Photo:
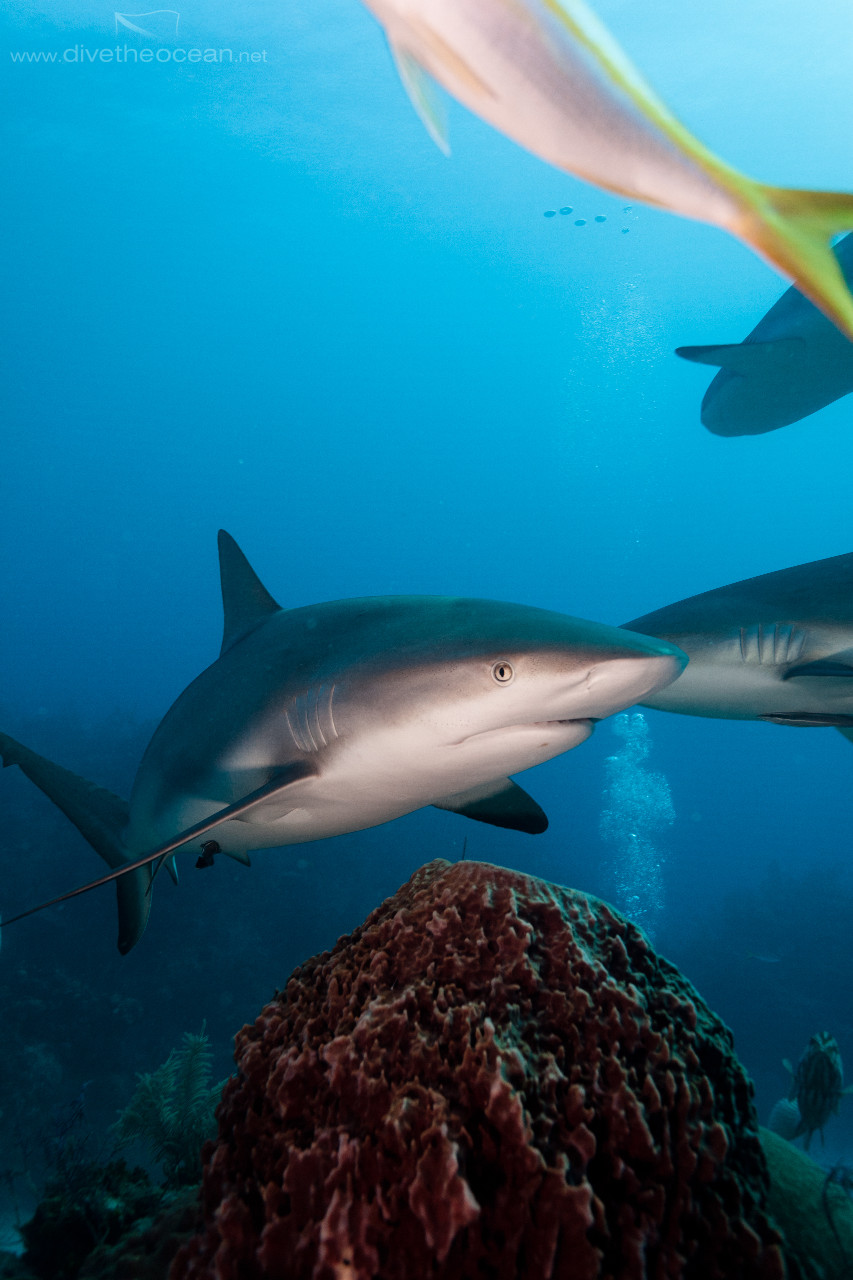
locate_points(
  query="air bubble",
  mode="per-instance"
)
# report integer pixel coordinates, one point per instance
(581, 222)
(599, 217)
(550, 213)
(567, 209)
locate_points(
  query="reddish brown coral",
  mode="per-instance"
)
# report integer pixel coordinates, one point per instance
(492, 1077)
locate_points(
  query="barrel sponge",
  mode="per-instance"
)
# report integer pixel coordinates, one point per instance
(492, 1077)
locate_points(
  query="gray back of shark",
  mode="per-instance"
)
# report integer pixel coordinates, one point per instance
(336, 717)
(778, 647)
(793, 363)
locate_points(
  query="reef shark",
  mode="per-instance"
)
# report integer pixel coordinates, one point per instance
(792, 364)
(778, 647)
(336, 717)
(549, 75)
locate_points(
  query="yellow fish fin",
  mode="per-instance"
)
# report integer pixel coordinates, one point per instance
(792, 229)
(421, 89)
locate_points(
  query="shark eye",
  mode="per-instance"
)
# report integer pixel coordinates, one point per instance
(502, 672)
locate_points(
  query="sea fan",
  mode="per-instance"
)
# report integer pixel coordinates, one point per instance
(785, 1119)
(172, 1110)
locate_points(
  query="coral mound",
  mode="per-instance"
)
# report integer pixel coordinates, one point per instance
(492, 1077)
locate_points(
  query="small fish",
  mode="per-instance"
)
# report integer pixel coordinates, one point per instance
(767, 957)
(548, 74)
(792, 364)
(817, 1085)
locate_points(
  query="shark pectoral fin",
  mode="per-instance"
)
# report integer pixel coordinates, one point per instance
(845, 733)
(811, 719)
(287, 776)
(138, 871)
(823, 667)
(420, 87)
(786, 1063)
(502, 803)
(744, 357)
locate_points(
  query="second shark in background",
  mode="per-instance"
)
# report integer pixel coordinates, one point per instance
(792, 364)
(778, 647)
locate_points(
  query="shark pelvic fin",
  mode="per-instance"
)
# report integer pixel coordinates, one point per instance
(245, 600)
(744, 357)
(100, 817)
(501, 803)
(420, 87)
(284, 778)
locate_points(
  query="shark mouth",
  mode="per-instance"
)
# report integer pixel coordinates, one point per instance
(531, 726)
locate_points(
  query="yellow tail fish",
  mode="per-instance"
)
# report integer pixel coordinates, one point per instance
(549, 75)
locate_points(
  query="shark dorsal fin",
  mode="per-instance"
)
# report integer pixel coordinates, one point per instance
(245, 599)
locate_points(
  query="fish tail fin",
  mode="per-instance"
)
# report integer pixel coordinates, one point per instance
(100, 817)
(793, 230)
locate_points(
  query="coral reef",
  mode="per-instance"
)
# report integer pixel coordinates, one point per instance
(71, 1221)
(100, 1220)
(492, 1077)
(785, 1119)
(813, 1208)
(146, 1251)
(139, 1229)
(171, 1111)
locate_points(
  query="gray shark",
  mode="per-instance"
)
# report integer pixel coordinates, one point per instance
(336, 717)
(778, 647)
(793, 363)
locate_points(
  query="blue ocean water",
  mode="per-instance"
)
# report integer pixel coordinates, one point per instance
(254, 295)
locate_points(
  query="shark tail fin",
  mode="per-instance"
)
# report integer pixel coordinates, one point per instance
(793, 230)
(100, 817)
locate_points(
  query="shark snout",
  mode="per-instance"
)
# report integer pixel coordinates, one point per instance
(619, 682)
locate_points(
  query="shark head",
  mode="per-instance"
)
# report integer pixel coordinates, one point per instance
(476, 689)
